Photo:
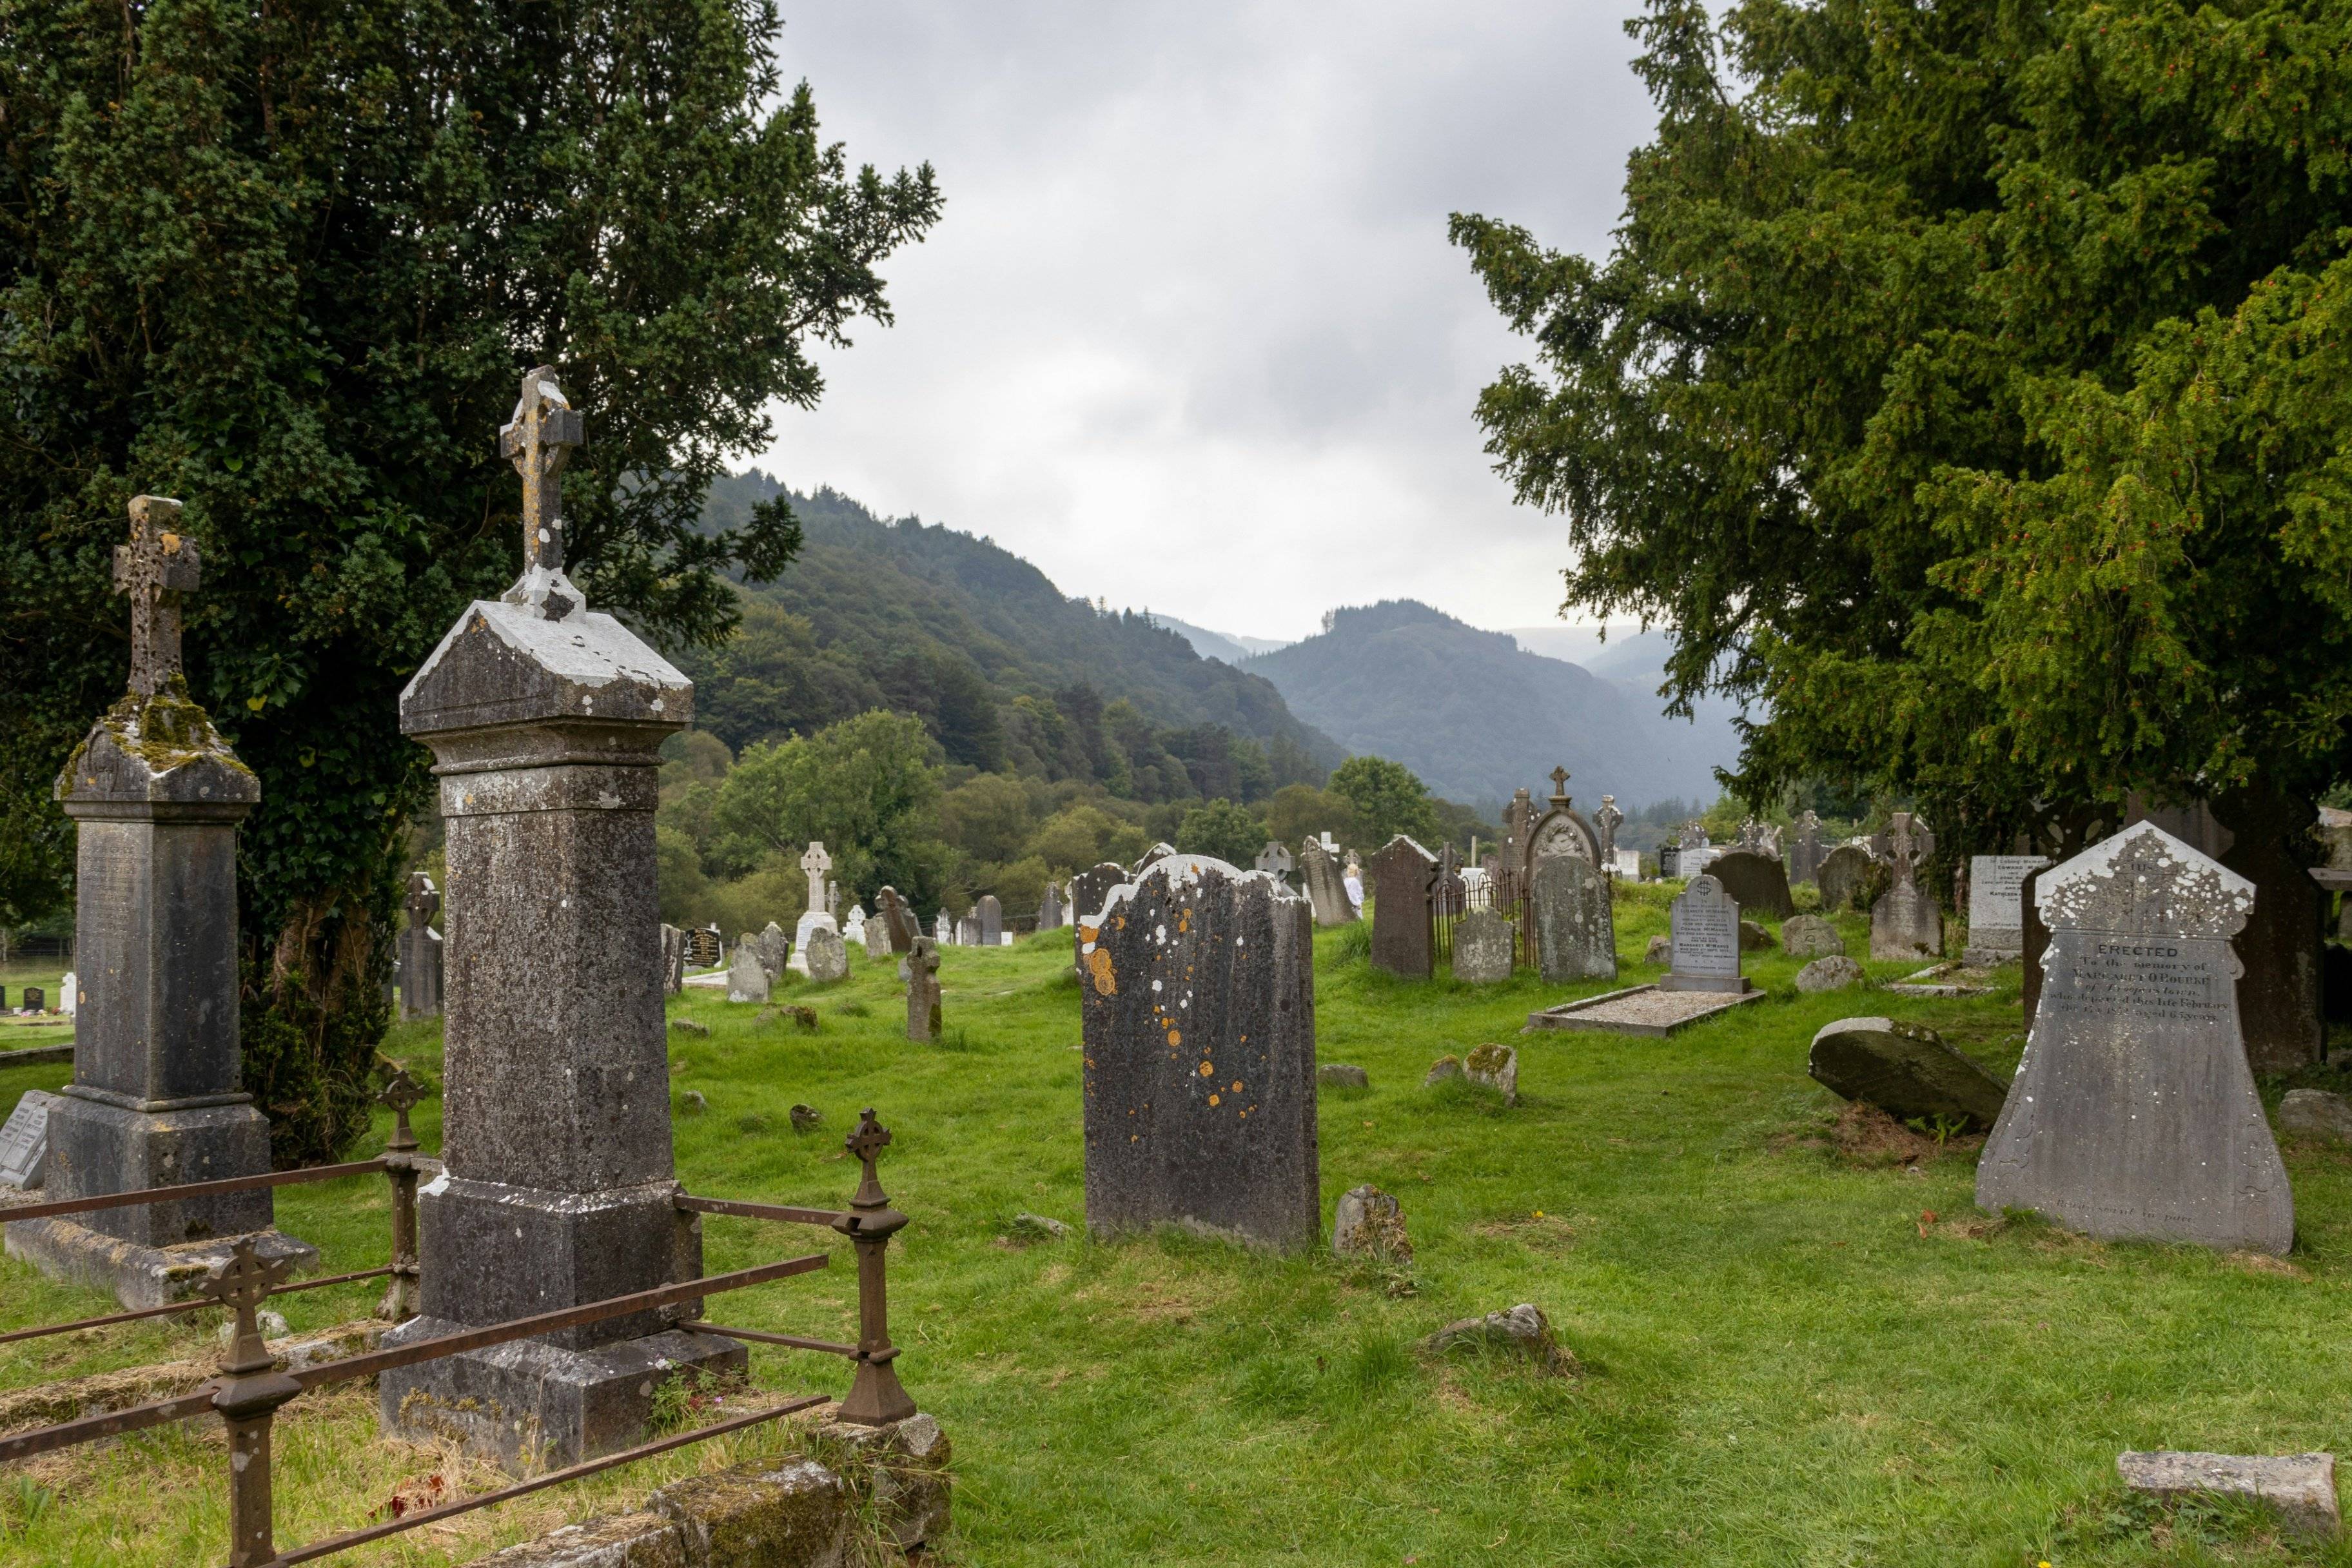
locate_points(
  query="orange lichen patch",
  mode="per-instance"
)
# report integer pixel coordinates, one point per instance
(1213, 1100)
(1088, 933)
(1237, 1087)
(1175, 1037)
(1208, 1067)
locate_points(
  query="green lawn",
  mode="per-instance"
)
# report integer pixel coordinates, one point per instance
(1784, 1360)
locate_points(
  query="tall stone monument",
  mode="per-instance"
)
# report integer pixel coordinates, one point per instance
(545, 722)
(1199, 1018)
(1905, 922)
(157, 796)
(1576, 929)
(817, 917)
(420, 951)
(1704, 926)
(2133, 1113)
(1401, 941)
(1805, 860)
(1605, 823)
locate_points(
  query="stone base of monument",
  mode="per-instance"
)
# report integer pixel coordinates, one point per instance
(139, 1275)
(1641, 1010)
(1988, 948)
(529, 1403)
(1719, 983)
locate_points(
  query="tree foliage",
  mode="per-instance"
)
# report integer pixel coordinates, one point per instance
(1385, 799)
(1219, 828)
(285, 263)
(867, 787)
(1968, 381)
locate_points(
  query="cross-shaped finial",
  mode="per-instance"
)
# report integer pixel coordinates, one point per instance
(866, 1143)
(154, 569)
(540, 439)
(242, 1284)
(424, 898)
(1559, 787)
(404, 1094)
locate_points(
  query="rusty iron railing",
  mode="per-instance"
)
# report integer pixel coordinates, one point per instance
(251, 1390)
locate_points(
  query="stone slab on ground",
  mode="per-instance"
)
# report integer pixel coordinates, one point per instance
(1522, 1330)
(2315, 1113)
(1834, 972)
(2300, 1488)
(1640, 1010)
(1341, 1075)
(1904, 1070)
(37, 1055)
(1943, 980)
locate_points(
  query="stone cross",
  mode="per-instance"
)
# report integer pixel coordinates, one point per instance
(866, 1145)
(423, 900)
(540, 439)
(1608, 820)
(154, 569)
(817, 863)
(1559, 787)
(242, 1285)
(1905, 845)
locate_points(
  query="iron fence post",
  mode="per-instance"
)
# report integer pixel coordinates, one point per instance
(400, 1301)
(875, 1398)
(247, 1402)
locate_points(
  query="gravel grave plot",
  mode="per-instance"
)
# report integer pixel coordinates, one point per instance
(1644, 1010)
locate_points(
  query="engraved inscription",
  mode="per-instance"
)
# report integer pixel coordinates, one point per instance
(2160, 980)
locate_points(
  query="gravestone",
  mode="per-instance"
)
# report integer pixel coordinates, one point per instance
(1811, 936)
(2037, 942)
(988, 916)
(1482, 941)
(25, 1141)
(1576, 929)
(1401, 934)
(1996, 910)
(35, 1000)
(703, 949)
(968, 929)
(827, 956)
(795, 949)
(1759, 838)
(69, 995)
(1834, 972)
(1705, 923)
(900, 923)
(774, 948)
(1905, 1070)
(1756, 882)
(1089, 888)
(1842, 875)
(2279, 995)
(156, 795)
(1274, 861)
(1905, 922)
(545, 722)
(922, 968)
(420, 951)
(1199, 1010)
(1319, 878)
(748, 979)
(1605, 823)
(1629, 864)
(1158, 852)
(673, 947)
(1805, 860)
(2133, 1113)
(1497, 1067)
(1049, 909)
(814, 864)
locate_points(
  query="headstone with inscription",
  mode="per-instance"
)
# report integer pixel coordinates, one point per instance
(2133, 1113)
(1576, 928)
(703, 949)
(1629, 864)
(546, 721)
(1996, 914)
(35, 999)
(1705, 923)
(156, 795)
(1198, 1020)
(1905, 922)
(1319, 878)
(25, 1140)
(1401, 934)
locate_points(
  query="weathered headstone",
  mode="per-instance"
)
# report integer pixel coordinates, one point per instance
(795, 950)
(1049, 908)
(1996, 911)
(1497, 1067)
(1757, 882)
(1368, 1223)
(673, 947)
(1834, 972)
(1089, 888)
(1759, 838)
(1482, 941)
(157, 796)
(1401, 934)
(774, 948)
(922, 967)
(70, 996)
(420, 951)
(900, 921)
(1199, 1008)
(1805, 860)
(1576, 929)
(1905, 922)
(1705, 921)
(1629, 864)
(2309, 1112)
(1605, 823)
(25, 1140)
(546, 721)
(1320, 877)
(2133, 1112)
(1842, 875)
(988, 916)
(1905, 1070)
(1274, 861)
(1811, 936)
(1158, 852)
(967, 931)
(748, 979)
(827, 956)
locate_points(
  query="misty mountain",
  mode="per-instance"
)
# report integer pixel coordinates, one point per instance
(1477, 715)
(1230, 646)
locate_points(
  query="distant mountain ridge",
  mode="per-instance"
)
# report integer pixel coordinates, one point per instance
(1477, 716)
(1230, 647)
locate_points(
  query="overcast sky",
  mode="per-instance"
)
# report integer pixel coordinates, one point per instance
(1190, 335)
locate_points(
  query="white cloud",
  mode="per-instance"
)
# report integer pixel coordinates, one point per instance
(1190, 334)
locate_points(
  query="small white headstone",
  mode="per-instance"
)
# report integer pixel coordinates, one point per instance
(68, 994)
(25, 1141)
(1629, 864)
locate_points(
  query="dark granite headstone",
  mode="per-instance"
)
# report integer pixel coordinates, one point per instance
(1200, 1057)
(420, 951)
(702, 948)
(1756, 882)
(1400, 874)
(2133, 1113)
(1705, 928)
(1576, 929)
(923, 991)
(1844, 875)
(1156, 853)
(1319, 878)
(989, 918)
(1089, 888)
(1483, 942)
(156, 795)
(35, 999)
(545, 722)
(1905, 1070)
(2037, 942)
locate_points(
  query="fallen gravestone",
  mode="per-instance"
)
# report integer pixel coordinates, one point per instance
(1996, 910)
(25, 1141)
(1199, 1009)
(806, 1117)
(2300, 1488)
(1482, 941)
(1905, 922)
(1037, 1228)
(1368, 1223)
(1497, 1067)
(923, 991)
(1341, 1075)
(1576, 929)
(689, 1026)
(1811, 936)
(1444, 1068)
(1844, 877)
(1904, 1070)
(1523, 1330)
(2308, 1112)
(827, 955)
(2134, 1112)
(1834, 972)
(1757, 882)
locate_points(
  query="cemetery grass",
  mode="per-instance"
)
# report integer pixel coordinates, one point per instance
(1797, 1345)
